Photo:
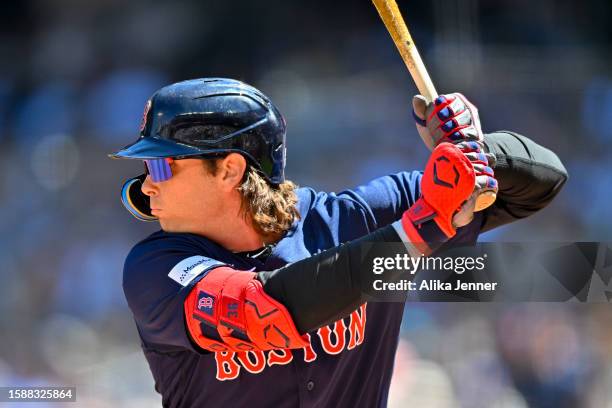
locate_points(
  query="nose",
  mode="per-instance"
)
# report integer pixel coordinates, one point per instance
(149, 188)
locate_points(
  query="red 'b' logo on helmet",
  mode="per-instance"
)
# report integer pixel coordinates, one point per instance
(143, 122)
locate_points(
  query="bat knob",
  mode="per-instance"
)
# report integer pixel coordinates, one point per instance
(485, 200)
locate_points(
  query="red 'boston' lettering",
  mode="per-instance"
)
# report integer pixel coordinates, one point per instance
(280, 357)
(227, 368)
(309, 353)
(255, 361)
(326, 340)
(254, 367)
(357, 327)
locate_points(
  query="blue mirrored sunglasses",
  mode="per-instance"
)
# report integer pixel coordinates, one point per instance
(159, 169)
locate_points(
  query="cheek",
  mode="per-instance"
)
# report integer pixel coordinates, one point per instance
(189, 196)
(200, 199)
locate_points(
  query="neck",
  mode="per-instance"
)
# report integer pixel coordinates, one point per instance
(241, 236)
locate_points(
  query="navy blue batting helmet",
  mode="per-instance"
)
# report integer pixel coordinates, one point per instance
(202, 118)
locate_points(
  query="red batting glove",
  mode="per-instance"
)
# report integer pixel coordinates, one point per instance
(448, 182)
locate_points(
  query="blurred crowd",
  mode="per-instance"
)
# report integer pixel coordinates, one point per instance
(73, 82)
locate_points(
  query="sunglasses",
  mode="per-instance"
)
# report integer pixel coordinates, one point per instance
(159, 169)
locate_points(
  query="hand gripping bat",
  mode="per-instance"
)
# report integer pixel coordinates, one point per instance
(391, 16)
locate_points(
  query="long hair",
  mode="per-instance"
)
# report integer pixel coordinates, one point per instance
(272, 209)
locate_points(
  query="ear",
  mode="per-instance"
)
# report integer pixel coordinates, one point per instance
(231, 170)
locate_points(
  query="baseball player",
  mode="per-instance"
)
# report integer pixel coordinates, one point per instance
(247, 295)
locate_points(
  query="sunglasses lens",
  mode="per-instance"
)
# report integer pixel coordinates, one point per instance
(159, 169)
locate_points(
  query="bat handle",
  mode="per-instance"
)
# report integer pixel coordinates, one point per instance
(393, 20)
(485, 200)
(427, 89)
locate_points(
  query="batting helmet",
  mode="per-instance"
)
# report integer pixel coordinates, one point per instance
(207, 117)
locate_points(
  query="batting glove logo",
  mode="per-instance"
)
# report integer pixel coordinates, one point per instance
(437, 180)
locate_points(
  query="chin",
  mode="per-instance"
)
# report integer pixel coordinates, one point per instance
(167, 226)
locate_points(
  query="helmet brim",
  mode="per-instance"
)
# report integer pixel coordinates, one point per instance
(154, 148)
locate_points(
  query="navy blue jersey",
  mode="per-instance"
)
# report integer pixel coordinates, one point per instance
(348, 363)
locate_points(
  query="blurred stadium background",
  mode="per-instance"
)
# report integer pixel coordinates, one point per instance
(73, 81)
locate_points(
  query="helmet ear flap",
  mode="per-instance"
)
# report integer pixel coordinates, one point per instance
(135, 201)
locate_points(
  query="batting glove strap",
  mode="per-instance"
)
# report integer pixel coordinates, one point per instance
(228, 310)
(419, 121)
(422, 228)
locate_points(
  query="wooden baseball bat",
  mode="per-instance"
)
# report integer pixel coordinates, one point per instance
(391, 16)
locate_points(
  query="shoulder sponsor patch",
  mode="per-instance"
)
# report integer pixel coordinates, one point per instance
(186, 270)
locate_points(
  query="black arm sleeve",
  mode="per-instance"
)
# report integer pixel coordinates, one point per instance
(326, 287)
(529, 177)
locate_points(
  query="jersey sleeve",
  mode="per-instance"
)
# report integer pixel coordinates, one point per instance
(386, 198)
(529, 175)
(330, 219)
(157, 278)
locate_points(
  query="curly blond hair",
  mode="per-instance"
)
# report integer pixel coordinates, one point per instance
(272, 209)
